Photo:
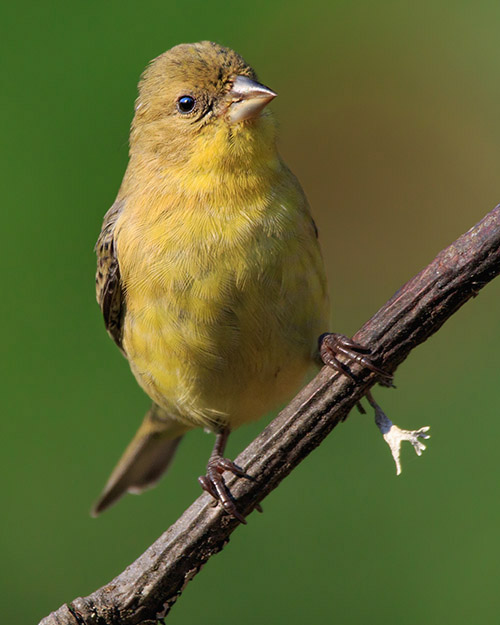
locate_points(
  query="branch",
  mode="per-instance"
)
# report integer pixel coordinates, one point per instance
(148, 588)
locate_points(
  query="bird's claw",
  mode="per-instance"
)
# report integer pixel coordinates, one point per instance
(333, 345)
(214, 484)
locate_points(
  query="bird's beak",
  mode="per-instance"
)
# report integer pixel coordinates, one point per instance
(247, 99)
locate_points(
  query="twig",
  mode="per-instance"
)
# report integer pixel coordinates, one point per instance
(148, 588)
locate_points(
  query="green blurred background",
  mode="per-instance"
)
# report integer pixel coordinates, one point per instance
(389, 115)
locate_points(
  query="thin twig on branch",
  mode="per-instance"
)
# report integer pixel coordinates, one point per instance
(148, 588)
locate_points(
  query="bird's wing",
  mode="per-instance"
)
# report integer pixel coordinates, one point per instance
(109, 288)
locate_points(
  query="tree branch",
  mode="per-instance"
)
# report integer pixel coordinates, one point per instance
(148, 588)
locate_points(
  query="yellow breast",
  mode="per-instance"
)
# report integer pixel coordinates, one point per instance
(225, 291)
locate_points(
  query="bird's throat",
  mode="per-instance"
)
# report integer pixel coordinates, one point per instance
(222, 160)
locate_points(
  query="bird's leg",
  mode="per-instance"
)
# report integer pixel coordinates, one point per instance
(333, 345)
(213, 482)
(394, 436)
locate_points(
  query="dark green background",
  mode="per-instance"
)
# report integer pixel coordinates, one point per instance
(389, 115)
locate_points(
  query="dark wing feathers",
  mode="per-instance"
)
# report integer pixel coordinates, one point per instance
(109, 289)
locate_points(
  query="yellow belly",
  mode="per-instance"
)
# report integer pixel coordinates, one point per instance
(223, 307)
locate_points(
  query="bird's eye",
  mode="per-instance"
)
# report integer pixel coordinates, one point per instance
(185, 104)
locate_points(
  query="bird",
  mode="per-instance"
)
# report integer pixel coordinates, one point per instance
(210, 276)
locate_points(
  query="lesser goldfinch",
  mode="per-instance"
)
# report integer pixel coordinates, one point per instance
(210, 276)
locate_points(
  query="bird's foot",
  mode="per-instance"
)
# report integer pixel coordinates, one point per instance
(333, 345)
(214, 484)
(394, 436)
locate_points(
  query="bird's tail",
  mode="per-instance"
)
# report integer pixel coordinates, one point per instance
(145, 460)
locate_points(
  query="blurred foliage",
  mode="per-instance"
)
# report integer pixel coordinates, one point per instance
(389, 117)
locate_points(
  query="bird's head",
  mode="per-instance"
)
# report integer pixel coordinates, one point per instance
(202, 101)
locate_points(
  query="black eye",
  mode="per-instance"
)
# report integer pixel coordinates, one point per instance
(185, 104)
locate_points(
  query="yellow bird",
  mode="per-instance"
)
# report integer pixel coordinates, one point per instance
(210, 276)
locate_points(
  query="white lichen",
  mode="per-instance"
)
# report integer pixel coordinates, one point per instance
(394, 435)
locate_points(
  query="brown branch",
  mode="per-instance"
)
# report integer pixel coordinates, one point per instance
(148, 588)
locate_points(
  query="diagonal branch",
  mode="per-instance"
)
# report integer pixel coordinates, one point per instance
(148, 588)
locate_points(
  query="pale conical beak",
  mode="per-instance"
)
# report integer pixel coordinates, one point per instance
(248, 98)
